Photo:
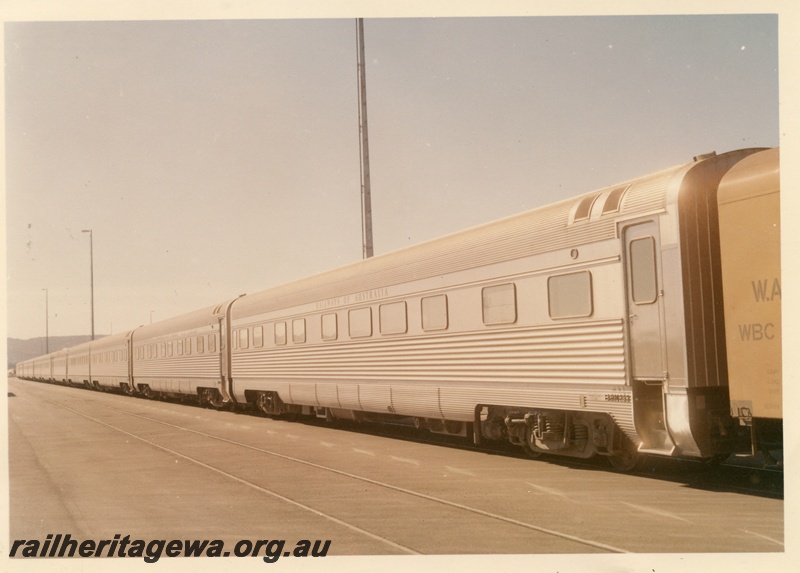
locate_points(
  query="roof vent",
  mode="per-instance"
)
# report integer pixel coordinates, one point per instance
(585, 207)
(703, 156)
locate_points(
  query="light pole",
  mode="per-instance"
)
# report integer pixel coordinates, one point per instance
(366, 193)
(91, 273)
(46, 321)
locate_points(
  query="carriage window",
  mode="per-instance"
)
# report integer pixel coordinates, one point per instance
(570, 295)
(434, 312)
(280, 333)
(393, 318)
(330, 329)
(244, 338)
(180, 347)
(258, 336)
(500, 304)
(169, 348)
(643, 270)
(212, 342)
(187, 345)
(360, 322)
(201, 344)
(299, 330)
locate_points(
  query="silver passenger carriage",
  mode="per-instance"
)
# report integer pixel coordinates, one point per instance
(109, 362)
(79, 365)
(590, 326)
(182, 356)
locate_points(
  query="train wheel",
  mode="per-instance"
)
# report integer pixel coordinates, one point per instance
(533, 454)
(626, 461)
(212, 397)
(526, 445)
(716, 459)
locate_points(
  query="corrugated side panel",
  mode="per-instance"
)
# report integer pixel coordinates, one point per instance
(375, 397)
(347, 396)
(303, 393)
(563, 366)
(417, 398)
(648, 194)
(200, 369)
(327, 394)
(578, 352)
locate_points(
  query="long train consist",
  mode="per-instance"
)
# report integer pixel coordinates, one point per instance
(643, 318)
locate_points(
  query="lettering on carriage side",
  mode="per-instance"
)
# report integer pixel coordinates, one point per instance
(755, 331)
(371, 294)
(332, 302)
(766, 290)
(618, 398)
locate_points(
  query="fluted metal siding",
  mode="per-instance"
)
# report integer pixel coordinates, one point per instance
(446, 376)
(110, 373)
(179, 374)
(568, 353)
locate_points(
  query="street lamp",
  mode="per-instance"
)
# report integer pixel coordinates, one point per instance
(91, 273)
(46, 321)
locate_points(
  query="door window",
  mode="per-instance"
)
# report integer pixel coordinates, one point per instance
(642, 253)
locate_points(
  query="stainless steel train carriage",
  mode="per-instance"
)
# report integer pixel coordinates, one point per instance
(109, 364)
(59, 369)
(183, 356)
(79, 364)
(593, 326)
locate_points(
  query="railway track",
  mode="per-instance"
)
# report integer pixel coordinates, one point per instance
(744, 475)
(389, 492)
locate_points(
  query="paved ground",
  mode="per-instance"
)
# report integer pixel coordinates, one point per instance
(96, 465)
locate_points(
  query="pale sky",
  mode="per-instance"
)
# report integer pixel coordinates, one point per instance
(214, 158)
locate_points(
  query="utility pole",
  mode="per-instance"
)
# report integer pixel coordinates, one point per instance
(46, 321)
(366, 198)
(91, 273)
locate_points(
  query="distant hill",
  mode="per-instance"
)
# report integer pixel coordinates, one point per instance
(19, 350)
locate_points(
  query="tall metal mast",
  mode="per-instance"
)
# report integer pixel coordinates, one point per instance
(366, 199)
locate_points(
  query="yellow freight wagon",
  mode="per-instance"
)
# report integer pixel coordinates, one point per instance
(749, 220)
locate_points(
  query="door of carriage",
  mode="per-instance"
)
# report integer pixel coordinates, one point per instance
(644, 300)
(646, 332)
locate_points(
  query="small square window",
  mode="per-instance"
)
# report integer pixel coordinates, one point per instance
(570, 295)
(299, 330)
(329, 327)
(393, 318)
(500, 304)
(360, 321)
(434, 312)
(280, 333)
